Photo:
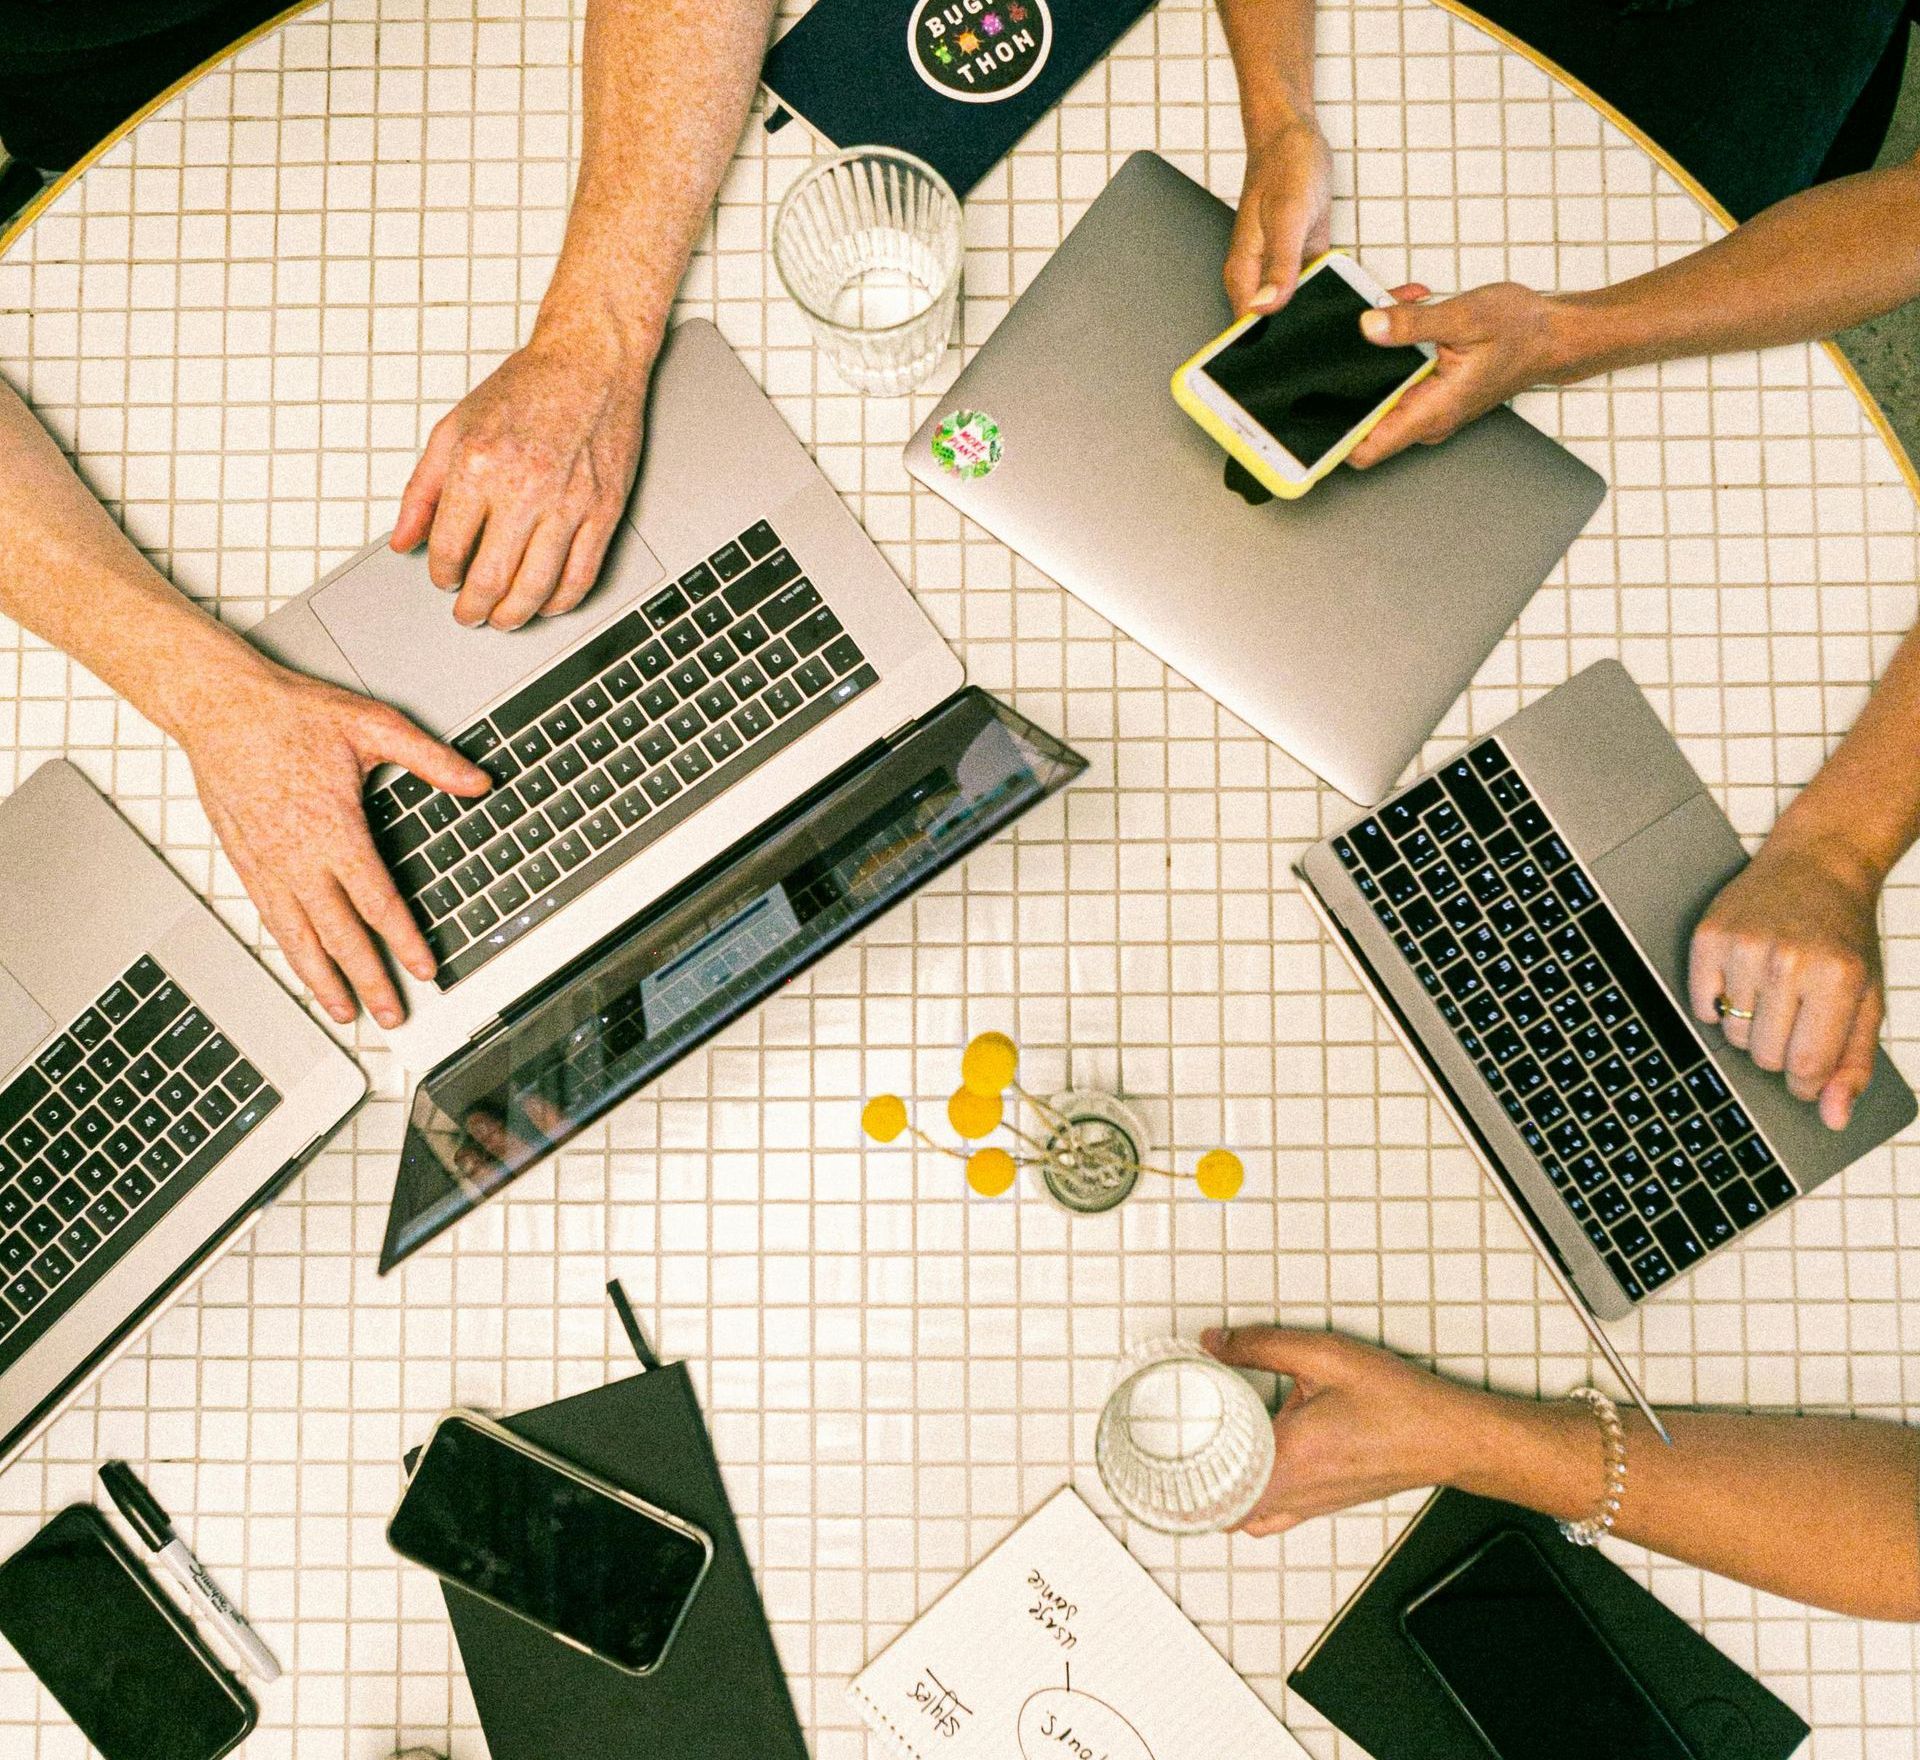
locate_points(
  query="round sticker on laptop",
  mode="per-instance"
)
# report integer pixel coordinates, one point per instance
(979, 51)
(967, 443)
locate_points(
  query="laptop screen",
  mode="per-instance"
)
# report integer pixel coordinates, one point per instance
(707, 952)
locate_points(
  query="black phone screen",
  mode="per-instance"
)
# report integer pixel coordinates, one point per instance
(1526, 1664)
(509, 1525)
(87, 1621)
(1306, 374)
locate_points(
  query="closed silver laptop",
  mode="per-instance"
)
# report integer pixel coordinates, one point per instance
(156, 1089)
(1523, 915)
(745, 642)
(1343, 625)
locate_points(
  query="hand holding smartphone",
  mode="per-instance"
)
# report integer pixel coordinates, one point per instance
(1290, 393)
(588, 1563)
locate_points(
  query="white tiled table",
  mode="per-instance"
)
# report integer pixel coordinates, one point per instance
(243, 320)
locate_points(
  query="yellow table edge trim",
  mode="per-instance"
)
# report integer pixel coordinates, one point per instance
(32, 211)
(1552, 69)
(1692, 185)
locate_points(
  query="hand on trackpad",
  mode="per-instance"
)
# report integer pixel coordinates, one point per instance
(396, 629)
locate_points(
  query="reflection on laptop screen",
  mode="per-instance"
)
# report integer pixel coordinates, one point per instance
(708, 952)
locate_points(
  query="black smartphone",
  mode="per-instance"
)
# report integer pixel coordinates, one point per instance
(592, 1565)
(122, 1659)
(1533, 1675)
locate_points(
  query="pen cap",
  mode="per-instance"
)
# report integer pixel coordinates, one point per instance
(138, 1504)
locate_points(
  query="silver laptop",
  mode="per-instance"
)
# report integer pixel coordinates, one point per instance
(159, 1088)
(746, 640)
(1523, 917)
(1343, 625)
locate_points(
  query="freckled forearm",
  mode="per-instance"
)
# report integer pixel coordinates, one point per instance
(667, 86)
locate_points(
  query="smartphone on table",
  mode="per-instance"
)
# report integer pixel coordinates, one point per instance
(124, 1662)
(1531, 1673)
(1290, 393)
(592, 1565)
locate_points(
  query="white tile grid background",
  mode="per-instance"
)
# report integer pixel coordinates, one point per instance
(245, 318)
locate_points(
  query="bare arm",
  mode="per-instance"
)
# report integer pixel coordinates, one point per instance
(1822, 1510)
(1807, 266)
(279, 759)
(1284, 198)
(522, 483)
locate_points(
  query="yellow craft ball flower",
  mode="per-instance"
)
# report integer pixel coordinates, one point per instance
(884, 1117)
(1220, 1175)
(973, 1115)
(987, 1065)
(990, 1171)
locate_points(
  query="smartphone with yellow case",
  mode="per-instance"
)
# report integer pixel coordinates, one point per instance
(1291, 393)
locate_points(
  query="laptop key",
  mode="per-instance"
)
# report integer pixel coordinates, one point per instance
(24, 1293)
(62, 1057)
(64, 1154)
(478, 917)
(444, 940)
(53, 1114)
(758, 540)
(540, 873)
(474, 876)
(560, 725)
(96, 1173)
(722, 743)
(118, 1003)
(151, 1119)
(106, 1213)
(441, 899)
(601, 829)
(596, 743)
(748, 634)
(79, 1239)
(42, 1227)
(754, 720)
(119, 1101)
(571, 850)
(133, 1188)
(682, 639)
(185, 1036)
(631, 807)
(711, 618)
(595, 791)
(534, 831)
(1676, 1235)
(661, 786)
(765, 579)
(728, 561)
(68, 1199)
(813, 678)
(508, 896)
(784, 698)
(161, 1160)
(14, 1204)
(565, 811)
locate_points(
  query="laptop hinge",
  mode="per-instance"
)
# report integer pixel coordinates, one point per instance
(486, 1029)
(899, 733)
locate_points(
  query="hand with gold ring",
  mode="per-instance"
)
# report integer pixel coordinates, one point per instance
(1787, 963)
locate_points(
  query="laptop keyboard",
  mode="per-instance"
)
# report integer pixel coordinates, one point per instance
(616, 744)
(1569, 1026)
(103, 1133)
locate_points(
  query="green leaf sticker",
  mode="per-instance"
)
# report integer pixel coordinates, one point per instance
(967, 443)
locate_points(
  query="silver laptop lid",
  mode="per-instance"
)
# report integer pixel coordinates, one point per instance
(1342, 625)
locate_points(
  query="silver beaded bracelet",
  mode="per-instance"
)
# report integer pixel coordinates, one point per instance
(1589, 1532)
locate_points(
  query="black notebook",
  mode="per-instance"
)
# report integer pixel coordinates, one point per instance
(720, 1694)
(1364, 1677)
(955, 81)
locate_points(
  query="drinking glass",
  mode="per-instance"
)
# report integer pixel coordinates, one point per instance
(867, 244)
(1183, 1445)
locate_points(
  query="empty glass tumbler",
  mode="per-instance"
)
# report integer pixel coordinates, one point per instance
(1184, 1445)
(868, 245)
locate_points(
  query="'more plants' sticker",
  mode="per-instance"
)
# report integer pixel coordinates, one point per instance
(979, 51)
(967, 443)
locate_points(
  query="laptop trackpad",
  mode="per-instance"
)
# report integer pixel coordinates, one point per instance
(397, 631)
(23, 1022)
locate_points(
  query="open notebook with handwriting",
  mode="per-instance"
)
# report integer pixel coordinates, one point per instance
(1055, 1646)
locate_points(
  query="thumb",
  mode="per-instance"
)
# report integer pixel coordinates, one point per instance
(1397, 325)
(390, 738)
(1280, 1349)
(1849, 1081)
(422, 493)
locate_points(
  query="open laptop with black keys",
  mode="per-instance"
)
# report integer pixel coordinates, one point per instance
(159, 1088)
(1523, 915)
(747, 661)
